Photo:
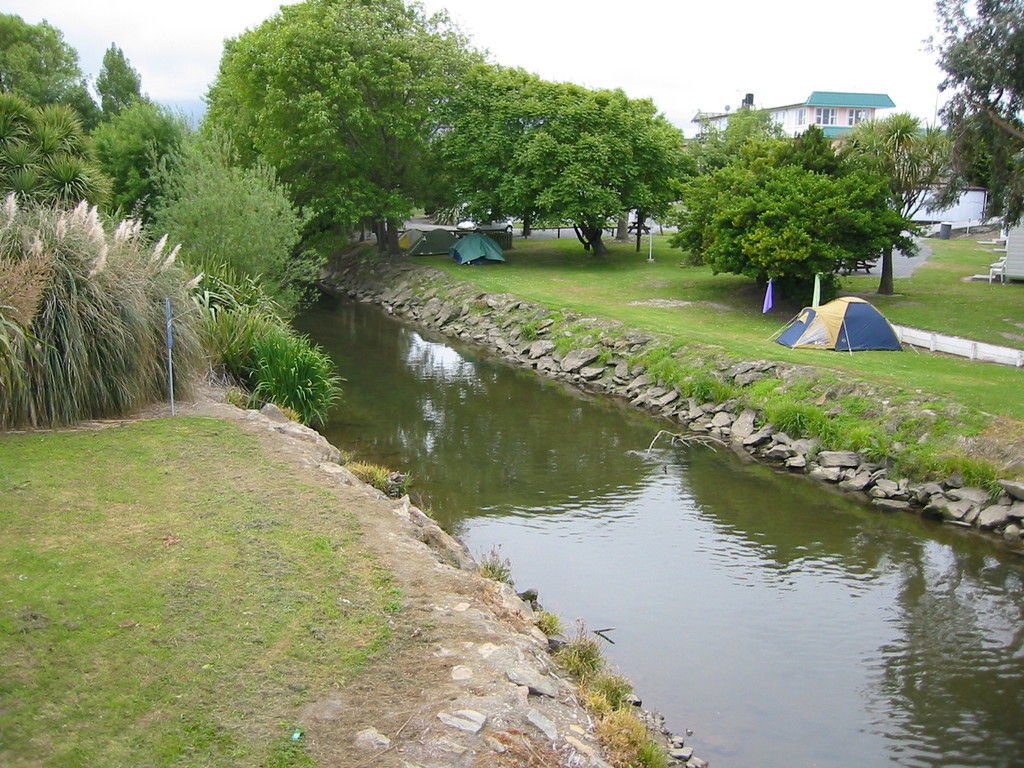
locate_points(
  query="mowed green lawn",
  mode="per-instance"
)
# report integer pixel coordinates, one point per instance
(692, 304)
(167, 596)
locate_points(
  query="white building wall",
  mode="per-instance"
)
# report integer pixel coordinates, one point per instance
(970, 206)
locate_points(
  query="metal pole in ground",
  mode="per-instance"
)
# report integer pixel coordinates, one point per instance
(170, 346)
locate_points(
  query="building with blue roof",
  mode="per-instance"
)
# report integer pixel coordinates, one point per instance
(835, 112)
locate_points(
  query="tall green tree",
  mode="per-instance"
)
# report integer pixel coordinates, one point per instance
(716, 147)
(912, 157)
(558, 153)
(118, 83)
(45, 155)
(37, 64)
(131, 147)
(785, 222)
(229, 215)
(340, 97)
(982, 53)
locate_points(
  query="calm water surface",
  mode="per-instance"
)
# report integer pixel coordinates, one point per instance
(781, 623)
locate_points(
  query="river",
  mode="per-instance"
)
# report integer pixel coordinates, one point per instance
(783, 624)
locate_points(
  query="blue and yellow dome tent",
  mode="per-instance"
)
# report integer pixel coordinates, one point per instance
(846, 324)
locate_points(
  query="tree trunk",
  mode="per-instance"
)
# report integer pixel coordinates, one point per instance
(622, 230)
(885, 285)
(393, 227)
(591, 239)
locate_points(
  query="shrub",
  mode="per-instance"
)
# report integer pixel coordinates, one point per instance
(229, 337)
(225, 211)
(236, 397)
(83, 334)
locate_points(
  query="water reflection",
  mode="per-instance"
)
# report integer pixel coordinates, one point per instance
(943, 651)
(784, 624)
(479, 437)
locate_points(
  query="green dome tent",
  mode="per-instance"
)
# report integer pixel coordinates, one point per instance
(476, 248)
(429, 242)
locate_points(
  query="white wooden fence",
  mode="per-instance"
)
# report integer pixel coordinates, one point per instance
(953, 345)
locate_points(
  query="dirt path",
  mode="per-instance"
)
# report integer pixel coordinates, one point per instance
(441, 693)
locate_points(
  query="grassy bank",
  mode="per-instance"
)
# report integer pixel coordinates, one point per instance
(168, 596)
(691, 304)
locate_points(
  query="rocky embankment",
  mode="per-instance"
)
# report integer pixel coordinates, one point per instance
(525, 335)
(467, 679)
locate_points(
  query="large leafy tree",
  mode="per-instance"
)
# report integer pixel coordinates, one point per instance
(340, 97)
(786, 223)
(131, 147)
(37, 64)
(912, 157)
(45, 155)
(983, 55)
(558, 153)
(118, 84)
(787, 209)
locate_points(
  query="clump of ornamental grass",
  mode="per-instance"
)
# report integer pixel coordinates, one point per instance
(82, 317)
(387, 481)
(236, 397)
(581, 656)
(605, 692)
(626, 742)
(549, 623)
(494, 566)
(624, 738)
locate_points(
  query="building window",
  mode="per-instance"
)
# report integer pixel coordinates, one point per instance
(801, 116)
(825, 116)
(857, 116)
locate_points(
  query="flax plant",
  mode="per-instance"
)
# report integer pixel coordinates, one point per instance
(83, 317)
(249, 342)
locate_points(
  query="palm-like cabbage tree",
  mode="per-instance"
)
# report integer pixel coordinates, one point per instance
(44, 155)
(913, 157)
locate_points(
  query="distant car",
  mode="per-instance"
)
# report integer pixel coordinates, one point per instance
(492, 226)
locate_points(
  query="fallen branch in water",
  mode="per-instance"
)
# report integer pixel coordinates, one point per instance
(601, 633)
(707, 440)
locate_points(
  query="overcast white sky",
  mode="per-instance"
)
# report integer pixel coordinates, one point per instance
(684, 54)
